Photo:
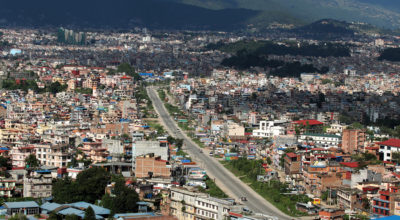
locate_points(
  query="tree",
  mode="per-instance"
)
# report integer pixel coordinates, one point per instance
(31, 161)
(396, 157)
(129, 70)
(72, 217)
(125, 198)
(4, 162)
(89, 214)
(89, 186)
(56, 87)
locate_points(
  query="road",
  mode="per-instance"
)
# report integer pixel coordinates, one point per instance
(228, 182)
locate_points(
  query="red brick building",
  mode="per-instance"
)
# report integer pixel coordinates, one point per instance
(353, 140)
(152, 165)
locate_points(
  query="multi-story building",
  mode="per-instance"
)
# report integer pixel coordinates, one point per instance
(38, 184)
(212, 208)
(268, 129)
(384, 204)
(150, 165)
(321, 140)
(292, 164)
(53, 155)
(183, 203)
(94, 151)
(7, 187)
(386, 148)
(19, 153)
(353, 140)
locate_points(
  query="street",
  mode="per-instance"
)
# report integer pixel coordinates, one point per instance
(229, 183)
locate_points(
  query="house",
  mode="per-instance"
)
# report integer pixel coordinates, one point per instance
(38, 184)
(269, 129)
(386, 148)
(77, 208)
(331, 214)
(7, 187)
(150, 165)
(384, 204)
(292, 164)
(321, 140)
(26, 208)
(353, 140)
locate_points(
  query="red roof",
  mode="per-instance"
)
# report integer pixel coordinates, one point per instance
(350, 164)
(235, 214)
(310, 122)
(391, 142)
(291, 155)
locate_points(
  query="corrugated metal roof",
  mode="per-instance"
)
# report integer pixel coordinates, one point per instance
(25, 204)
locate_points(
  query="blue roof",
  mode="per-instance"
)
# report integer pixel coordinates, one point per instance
(25, 204)
(97, 209)
(50, 206)
(393, 217)
(43, 171)
(133, 215)
(72, 211)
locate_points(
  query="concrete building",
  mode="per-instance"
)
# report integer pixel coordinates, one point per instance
(386, 148)
(149, 165)
(38, 184)
(183, 202)
(321, 140)
(53, 155)
(269, 129)
(353, 140)
(158, 148)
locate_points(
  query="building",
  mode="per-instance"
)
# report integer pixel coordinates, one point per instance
(353, 140)
(331, 214)
(38, 184)
(7, 187)
(384, 204)
(321, 140)
(212, 208)
(348, 198)
(386, 148)
(53, 155)
(151, 166)
(26, 208)
(183, 202)
(292, 164)
(269, 129)
(158, 148)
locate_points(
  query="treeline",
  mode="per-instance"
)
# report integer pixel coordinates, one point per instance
(390, 54)
(277, 67)
(259, 48)
(25, 85)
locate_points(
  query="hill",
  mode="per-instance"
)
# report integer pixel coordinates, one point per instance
(158, 14)
(381, 13)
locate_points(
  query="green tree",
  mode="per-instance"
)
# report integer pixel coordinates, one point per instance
(129, 70)
(56, 87)
(89, 214)
(125, 198)
(72, 217)
(89, 186)
(396, 157)
(31, 161)
(4, 162)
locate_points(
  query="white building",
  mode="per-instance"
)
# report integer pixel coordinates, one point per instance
(321, 140)
(269, 129)
(387, 148)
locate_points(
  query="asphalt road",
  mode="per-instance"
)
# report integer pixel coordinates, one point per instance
(223, 177)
